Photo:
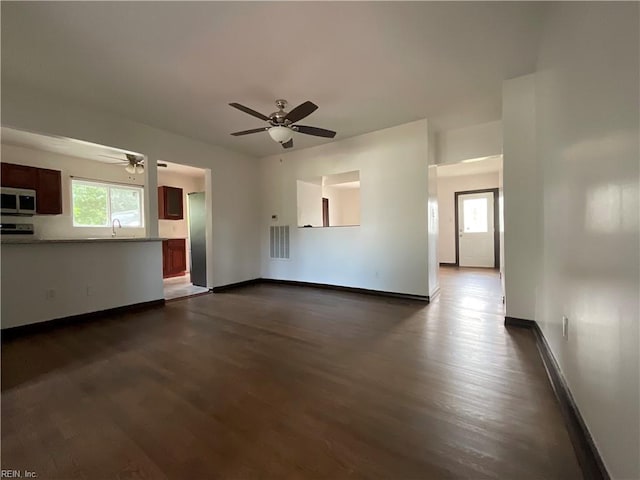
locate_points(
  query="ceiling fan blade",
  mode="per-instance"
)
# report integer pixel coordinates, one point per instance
(288, 144)
(247, 132)
(117, 163)
(244, 109)
(318, 132)
(301, 111)
(119, 160)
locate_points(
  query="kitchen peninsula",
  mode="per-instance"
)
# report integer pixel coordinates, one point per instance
(47, 279)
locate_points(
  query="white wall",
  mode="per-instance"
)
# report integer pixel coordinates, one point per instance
(482, 140)
(233, 254)
(309, 198)
(447, 186)
(344, 205)
(388, 251)
(433, 225)
(335, 211)
(501, 219)
(85, 277)
(188, 184)
(61, 226)
(433, 212)
(349, 206)
(521, 197)
(588, 152)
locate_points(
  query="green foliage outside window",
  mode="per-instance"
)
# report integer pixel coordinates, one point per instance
(98, 204)
(89, 205)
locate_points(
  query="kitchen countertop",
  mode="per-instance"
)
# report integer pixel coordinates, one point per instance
(29, 241)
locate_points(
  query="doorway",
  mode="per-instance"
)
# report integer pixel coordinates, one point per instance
(325, 212)
(185, 233)
(477, 226)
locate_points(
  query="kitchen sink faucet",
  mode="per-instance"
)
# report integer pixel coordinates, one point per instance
(113, 227)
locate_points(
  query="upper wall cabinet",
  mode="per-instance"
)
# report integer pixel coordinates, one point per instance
(170, 203)
(19, 176)
(47, 184)
(49, 192)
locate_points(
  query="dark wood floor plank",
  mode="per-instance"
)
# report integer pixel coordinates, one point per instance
(272, 381)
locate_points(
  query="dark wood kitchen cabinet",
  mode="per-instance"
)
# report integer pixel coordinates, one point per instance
(19, 176)
(174, 257)
(47, 184)
(170, 203)
(49, 192)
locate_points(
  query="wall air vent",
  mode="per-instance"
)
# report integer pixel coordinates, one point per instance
(279, 241)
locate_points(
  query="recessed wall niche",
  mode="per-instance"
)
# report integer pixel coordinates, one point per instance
(329, 200)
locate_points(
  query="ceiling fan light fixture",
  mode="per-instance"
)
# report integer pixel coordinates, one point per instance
(280, 134)
(134, 167)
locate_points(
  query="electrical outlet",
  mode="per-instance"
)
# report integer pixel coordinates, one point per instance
(50, 294)
(565, 327)
(89, 290)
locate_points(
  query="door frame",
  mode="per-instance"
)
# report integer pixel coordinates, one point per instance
(496, 223)
(325, 212)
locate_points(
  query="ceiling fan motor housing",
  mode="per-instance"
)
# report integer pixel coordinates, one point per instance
(279, 117)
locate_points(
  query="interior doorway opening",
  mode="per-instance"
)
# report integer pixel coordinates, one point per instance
(183, 193)
(470, 217)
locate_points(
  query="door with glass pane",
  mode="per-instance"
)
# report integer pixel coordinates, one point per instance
(475, 225)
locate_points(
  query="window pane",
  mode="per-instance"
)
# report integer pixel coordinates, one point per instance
(125, 206)
(475, 215)
(90, 205)
(97, 204)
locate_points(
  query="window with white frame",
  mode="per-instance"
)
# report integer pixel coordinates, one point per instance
(98, 204)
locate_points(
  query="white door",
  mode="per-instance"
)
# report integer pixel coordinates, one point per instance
(475, 230)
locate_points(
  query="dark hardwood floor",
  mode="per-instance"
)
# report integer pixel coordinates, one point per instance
(273, 381)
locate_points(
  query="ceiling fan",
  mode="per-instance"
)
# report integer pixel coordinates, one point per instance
(282, 123)
(134, 163)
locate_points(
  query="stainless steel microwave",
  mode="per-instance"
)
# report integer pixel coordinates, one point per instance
(18, 201)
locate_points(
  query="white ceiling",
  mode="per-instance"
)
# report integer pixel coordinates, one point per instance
(346, 185)
(471, 167)
(368, 65)
(64, 146)
(180, 169)
(82, 150)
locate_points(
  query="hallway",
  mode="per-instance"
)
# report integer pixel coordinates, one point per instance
(476, 289)
(278, 381)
